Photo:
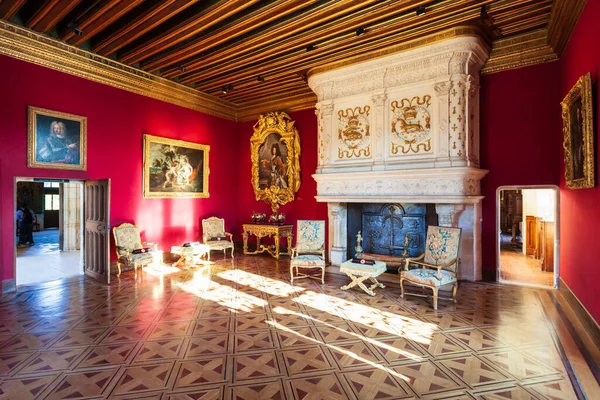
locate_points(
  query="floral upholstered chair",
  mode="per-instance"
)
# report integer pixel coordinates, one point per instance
(309, 252)
(131, 251)
(215, 237)
(437, 266)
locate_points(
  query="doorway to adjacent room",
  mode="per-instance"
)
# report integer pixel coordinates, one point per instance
(527, 220)
(54, 248)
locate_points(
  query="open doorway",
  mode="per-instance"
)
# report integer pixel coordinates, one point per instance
(48, 227)
(528, 235)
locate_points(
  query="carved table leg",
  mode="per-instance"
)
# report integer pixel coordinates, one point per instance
(245, 238)
(277, 246)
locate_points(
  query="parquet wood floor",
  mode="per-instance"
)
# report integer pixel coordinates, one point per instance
(239, 330)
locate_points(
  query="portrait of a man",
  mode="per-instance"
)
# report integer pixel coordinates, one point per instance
(273, 163)
(56, 140)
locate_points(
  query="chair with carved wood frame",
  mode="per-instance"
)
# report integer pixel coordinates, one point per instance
(215, 237)
(309, 252)
(131, 250)
(438, 266)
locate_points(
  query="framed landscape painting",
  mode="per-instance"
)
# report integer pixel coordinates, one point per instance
(174, 168)
(56, 140)
(578, 129)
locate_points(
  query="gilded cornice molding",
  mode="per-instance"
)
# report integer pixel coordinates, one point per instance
(27, 45)
(519, 51)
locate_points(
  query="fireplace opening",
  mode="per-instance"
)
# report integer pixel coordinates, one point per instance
(390, 232)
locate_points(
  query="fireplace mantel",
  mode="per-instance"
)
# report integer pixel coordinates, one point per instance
(404, 128)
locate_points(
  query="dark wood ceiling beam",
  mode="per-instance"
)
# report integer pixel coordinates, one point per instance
(8, 8)
(192, 26)
(335, 51)
(320, 23)
(267, 14)
(236, 96)
(275, 92)
(98, 19)
(265, 58)
(50, 14)
(146, 21)
(253, 85)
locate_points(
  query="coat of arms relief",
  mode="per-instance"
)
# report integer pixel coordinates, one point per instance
(411, 125)
(353, 133)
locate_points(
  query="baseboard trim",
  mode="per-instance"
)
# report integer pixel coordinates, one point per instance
(9, 286)
(582, 314)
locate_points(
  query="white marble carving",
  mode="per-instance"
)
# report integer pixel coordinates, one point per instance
(423, 139)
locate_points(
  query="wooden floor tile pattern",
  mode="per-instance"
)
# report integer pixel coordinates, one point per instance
(239, 330)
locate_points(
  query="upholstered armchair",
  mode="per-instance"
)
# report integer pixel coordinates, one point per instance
(214, 235)
(309, 252)
(438, 266)
(131, 251)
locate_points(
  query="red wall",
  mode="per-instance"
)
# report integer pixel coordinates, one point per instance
(305, 206)
(117, 121)
(521, 138)
(579, 209)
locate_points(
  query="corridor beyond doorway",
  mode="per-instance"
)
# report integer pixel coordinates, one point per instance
(55, 251)
(44, 261)
(528, 236)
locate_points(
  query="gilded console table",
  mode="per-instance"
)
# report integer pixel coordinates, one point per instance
(262, 230)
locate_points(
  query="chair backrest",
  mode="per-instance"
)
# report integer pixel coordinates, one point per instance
(310, 235)
(127, 236)
(442, 246)
(213, 227)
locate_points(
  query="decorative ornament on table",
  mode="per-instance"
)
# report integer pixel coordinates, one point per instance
(358, 247)
(258, 217)
(277, 218)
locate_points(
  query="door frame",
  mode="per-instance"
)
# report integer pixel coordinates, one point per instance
(14, 201)
(556, 190)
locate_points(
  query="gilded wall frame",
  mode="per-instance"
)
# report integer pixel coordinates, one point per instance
(174, 168)
(56, 140)
(578, 128)
(275, 155)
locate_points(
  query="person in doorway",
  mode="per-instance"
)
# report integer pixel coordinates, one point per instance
(25, 218)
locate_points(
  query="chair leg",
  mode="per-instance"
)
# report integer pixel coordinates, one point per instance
(292, 273)
(454, 291)
(401, 288)
(435, 298)
(119, 268)
(322, 275)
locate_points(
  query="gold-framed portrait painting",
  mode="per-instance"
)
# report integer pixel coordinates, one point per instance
(174, 168)
(578, 129)
(56, 140)
(275, 154)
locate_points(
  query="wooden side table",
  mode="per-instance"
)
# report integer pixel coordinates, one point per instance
(268, 230)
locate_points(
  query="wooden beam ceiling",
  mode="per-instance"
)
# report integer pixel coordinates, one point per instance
(192, 26)
(262, 50)
(50, 14)
(149, 19)
(8, 8)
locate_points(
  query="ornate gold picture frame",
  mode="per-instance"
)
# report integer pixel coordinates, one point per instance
(275, 154)
(578, 128)
(56, 140)
(174, 168)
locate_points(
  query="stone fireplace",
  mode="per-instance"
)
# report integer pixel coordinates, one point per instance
(404, 129)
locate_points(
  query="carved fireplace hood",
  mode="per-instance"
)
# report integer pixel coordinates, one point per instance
(404, 128)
